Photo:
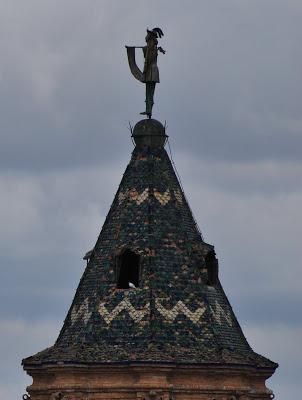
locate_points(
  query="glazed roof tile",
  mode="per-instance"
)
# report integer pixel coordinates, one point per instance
(174, 315)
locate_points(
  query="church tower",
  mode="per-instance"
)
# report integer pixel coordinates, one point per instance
(150, 319)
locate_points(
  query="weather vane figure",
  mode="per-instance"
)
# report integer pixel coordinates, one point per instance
(150, 74)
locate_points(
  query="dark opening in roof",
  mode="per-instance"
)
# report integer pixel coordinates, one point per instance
(212, 268)
(128, 270)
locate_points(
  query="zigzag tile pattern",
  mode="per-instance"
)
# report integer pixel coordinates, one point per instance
(133, 195)
(180, 308)
(124, 305)
(178, 196)
(138, 315)
(81, 312)
(162, 198)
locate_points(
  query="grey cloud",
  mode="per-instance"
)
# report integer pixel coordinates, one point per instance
(24, 338)
(265, 339)
(263, 308)
(49, 221)
(230, 80)
(268, 178)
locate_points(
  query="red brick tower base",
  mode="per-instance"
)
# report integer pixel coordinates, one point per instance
(149, 382)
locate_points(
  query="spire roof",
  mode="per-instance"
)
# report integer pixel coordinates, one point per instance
(177, 312)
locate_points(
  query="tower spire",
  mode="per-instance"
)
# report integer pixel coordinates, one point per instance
(151, 291)
(150, 319)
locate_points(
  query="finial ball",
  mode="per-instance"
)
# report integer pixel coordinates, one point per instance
(150, 133)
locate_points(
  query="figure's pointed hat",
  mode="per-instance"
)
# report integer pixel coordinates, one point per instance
(178, 312)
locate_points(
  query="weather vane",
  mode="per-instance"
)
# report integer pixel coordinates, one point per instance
(150, 74)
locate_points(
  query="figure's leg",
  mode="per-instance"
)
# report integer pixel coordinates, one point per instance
(150, 97)
(150, 88)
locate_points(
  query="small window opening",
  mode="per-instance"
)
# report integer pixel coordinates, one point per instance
(128, 270)
(212, 268)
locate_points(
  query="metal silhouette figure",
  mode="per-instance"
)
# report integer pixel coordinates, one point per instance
(150, 73)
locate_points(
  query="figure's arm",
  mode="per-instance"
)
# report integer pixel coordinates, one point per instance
(161, 50)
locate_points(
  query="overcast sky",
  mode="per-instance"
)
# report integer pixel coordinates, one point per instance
(231, 94)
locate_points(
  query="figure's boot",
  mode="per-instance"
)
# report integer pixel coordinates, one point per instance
(148, 111)
(145, 112)
(149, 105)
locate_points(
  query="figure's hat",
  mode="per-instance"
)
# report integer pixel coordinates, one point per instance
(157, 32)
(150, 292)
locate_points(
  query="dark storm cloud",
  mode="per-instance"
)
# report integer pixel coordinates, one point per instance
(231, 94)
